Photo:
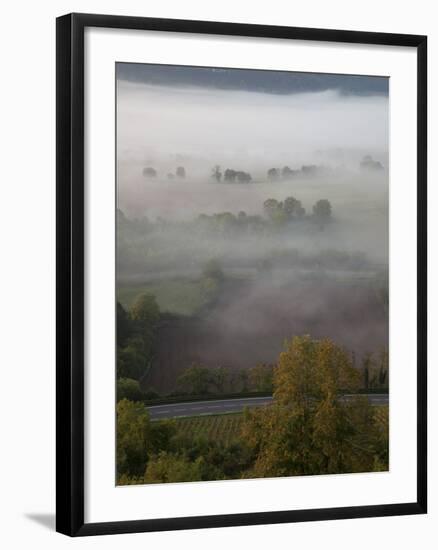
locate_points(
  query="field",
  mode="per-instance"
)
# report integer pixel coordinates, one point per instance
(224, 428)
(183, 297)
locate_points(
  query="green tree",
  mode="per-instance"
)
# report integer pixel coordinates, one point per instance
(145, 310)
(138, 438)
(216, 173)
(133, 438)
(261, 377)
(287, 172)
(220, 378)
(145, 316)
(367, 369)
(290, 205)
(293, 208)
(270, 207)
(128, 388)
(381, 438)
(134, 357)
(149, 172)
(181, 172)
(171, 468)
(322, 212)
(195, 380)
(272, 173)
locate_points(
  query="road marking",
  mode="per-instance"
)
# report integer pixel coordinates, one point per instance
(233, 405)
(214, 401)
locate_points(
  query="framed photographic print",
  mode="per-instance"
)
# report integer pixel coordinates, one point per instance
(241, 274)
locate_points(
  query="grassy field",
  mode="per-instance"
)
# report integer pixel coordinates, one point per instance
(223, 428)
(184, 297)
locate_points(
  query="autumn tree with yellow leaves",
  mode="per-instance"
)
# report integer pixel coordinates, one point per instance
(310, 427)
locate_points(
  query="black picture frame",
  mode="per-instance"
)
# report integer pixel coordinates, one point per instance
(70, 273)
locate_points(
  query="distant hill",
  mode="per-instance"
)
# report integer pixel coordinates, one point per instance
(272, 82)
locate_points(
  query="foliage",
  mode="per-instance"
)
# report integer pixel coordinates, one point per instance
(239, 176)
(322, 212)
(375, 370)
(181, 172)
(281, 212)
(133, 438)
(149, 172)
(128, 388)
(133, 357)
(216, 173)
(309, 429)
(195, 380)
(261, 378)
(181, 297)
(138, 438)
(145, 310)
(171, 468)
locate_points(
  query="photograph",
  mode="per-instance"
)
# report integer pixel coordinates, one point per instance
(252, 274)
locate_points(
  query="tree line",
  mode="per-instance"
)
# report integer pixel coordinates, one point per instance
(231, 175)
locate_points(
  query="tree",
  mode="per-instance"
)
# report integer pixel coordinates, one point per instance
(149, 172)
(195, 380)
(243, 177)
(369, 164)
(322, 212)
(133, 436)
(230, 175)
(242, 377)
(367, 368)
(261, 378)
(309, 169)
(290, 205)
(381, 438)
(138, 438)
(181, 172)
(145, 309)
(220, 377)
(216, 173)
(279, 216)
(293, 208)
(272, 173)
(287, 173)
(136, 355)
(383, 369)
(128, 388)
(133, 357)
(309, 429)
(270, 207)
(170, 468)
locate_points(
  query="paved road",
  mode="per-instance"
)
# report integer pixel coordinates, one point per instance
(222, 406)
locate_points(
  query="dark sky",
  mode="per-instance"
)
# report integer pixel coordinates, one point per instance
(272, 82)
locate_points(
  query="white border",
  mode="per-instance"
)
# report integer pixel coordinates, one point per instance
(104, 501)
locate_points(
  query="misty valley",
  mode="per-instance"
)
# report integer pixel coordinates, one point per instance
(252, 274)
(232, 286)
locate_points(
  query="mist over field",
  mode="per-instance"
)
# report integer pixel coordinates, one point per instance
(234, 275)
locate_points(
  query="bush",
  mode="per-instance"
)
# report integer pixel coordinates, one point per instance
(127, 388)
